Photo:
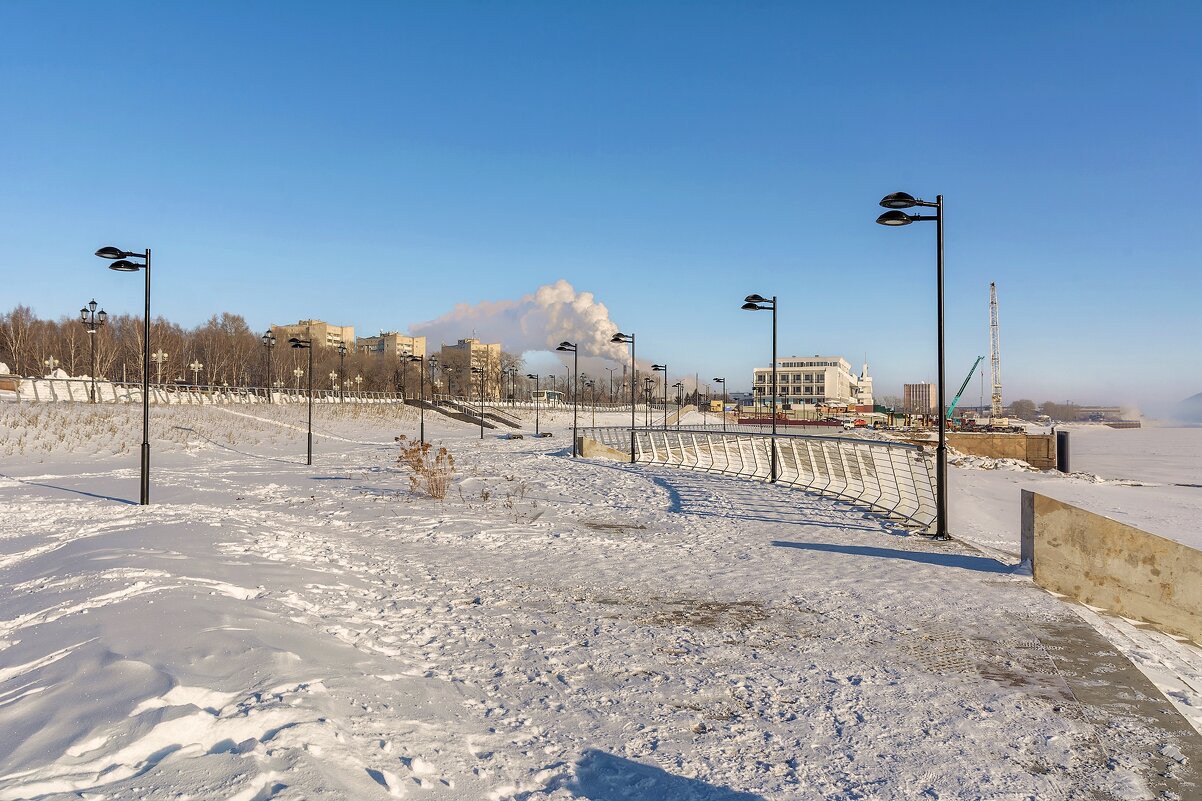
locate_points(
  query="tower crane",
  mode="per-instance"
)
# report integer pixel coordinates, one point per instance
(995, 355)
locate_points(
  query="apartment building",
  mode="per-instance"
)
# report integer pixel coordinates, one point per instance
(456, 361)
(322, 334)
(920, 399)
(815, 381)
(393, 344)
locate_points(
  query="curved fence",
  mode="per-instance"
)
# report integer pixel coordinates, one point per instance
(891, 478)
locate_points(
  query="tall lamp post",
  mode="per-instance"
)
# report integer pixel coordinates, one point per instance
(306, 344)
(122, 264)
(591, 384)
(568, 347)
(623, 338)
(196, 367)
(535, 377)
(341, 367)
(92, 321)
(679, 387)
(512, 372)
(334, 384)
(647, 400)
(159, 357)
(268, 346)
(895, 216)
(758, 303)
(722, 381)
(480, 372)
(663, 368)
(421, 401)
(298, 372)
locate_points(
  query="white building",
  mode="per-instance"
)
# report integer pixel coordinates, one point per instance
(814, 380)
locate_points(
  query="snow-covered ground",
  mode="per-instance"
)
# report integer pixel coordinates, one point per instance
(553, 629)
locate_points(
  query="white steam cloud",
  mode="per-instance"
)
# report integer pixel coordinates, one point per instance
(535, 322)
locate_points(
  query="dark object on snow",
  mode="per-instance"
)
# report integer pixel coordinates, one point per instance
(1062, 451)
(515, 435)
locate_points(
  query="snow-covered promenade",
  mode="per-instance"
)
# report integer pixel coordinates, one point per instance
(553, 629)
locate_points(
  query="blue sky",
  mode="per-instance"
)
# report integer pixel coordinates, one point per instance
(374, 164)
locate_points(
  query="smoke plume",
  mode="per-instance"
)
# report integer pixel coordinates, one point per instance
(535, 322)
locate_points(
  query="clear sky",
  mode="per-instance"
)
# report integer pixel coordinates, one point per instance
(375, 163)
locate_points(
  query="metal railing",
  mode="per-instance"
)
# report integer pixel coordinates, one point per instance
(891, 478)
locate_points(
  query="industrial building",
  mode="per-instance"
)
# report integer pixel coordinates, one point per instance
(920, 399)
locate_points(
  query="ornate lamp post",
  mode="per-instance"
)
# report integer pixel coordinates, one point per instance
(268, 346)
(896, 202)
(568, 347)
(159, 357)
(359, 386)
(298, 372)
(196, 367)
(341, 367)
(758, 303)
(306, 344)
(92, 321)
(50, 363)
(334, 383)
(121, 263)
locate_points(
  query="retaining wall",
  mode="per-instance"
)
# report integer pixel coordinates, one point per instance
(1038, 450)
(1105, 563)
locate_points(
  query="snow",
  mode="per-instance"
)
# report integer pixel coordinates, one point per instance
(553, 629)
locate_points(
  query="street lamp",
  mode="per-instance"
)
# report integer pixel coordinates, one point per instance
(92, 320)
(298, 372)
(122, 264)
(679, 387)
(480, 372)
(50, 363)
(568, 347)
(306, 344)
(894, 217)
(623, 338)
(269, 345)
(512, 372)
(722, 381)
(341, 366)
(647, 382)
(593, 385)
(359, 386)
(334, 383)
(663, 368)
(421, 401)
(196, 367)
(535, 377)
(759, 303)
(158, 357)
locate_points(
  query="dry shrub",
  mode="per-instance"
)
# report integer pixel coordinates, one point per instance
(428, 469)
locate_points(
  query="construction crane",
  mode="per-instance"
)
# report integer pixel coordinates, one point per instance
(967, 378)
(995, 355)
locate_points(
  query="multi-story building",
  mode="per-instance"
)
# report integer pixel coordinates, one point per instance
(456, 362)
(920, 399)
(322, 334)
(392, 343)
(814, 381)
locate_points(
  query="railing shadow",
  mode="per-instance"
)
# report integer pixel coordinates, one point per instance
(605, 777)
(983, 564)
(97, 495)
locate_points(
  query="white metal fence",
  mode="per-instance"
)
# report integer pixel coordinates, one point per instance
(79, 390)
(892, 478)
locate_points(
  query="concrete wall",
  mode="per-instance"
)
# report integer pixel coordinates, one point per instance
(1038, 450)
(1105, 563)
(591, 449)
